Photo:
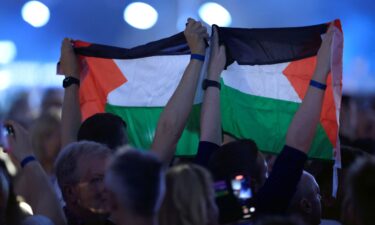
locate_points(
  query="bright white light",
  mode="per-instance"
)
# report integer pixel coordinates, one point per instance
(4, 79)
(8, 52)
(26, 207)
(213, 13)
(12, 169)
(35, 13)
(140, 15)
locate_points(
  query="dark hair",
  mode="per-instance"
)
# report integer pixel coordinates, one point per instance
(137, 180)
(104, 128)
(234, 158)
(360, 195)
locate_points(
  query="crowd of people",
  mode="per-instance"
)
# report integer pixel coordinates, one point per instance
(76, 173)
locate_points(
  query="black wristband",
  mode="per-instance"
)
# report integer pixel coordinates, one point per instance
(69, 81)
(210, 83)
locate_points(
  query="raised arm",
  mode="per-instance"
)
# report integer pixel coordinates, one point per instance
(302, 129)
(175, 115)
(210, 114)
(71, 114)
(43, 199)
(279, 188)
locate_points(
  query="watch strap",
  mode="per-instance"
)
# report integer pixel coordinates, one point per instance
(69, 81)
(210, 83)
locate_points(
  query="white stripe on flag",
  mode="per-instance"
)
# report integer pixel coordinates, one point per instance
(264, 81)
(151, 81)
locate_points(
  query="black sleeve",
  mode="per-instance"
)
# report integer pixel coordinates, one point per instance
(275, 195)
(205, 150)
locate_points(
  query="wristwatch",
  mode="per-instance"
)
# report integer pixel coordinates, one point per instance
(210, 83)
(69, 81)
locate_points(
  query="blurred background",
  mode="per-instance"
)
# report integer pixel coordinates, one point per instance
(31, 33)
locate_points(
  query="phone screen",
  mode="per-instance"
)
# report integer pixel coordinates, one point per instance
(242, 190)
(239, 187)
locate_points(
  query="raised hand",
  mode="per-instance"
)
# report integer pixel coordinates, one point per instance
(323, 65)
(217, 56)
(43, 199)
(68, 59)
(196, 34)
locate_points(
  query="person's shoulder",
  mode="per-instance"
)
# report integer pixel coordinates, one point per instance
(292, 153)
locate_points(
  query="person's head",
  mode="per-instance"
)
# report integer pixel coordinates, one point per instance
(349, 156)
(52, 100)
(323, 173)
(80, 170)
(20, 109)
(306, 200)
(135, 181)
(46, 139)
(189, 198)
(359, 200)
(239, 158)
(104, 128)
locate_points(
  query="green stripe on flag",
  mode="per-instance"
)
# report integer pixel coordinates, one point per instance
(266, 121)
(142, 121)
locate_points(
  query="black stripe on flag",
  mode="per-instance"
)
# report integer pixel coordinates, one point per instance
(246, 46)
(174, 45)
(270, 45)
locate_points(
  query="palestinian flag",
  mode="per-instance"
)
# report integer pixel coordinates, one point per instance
(136, 84)
(267, 75)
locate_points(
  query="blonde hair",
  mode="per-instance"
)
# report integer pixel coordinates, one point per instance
(189, 198)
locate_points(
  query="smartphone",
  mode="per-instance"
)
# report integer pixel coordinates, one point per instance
(234, 198)
(241, 188)
(5, 131)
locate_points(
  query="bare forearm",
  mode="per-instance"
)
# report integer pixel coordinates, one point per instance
(302, 129)
(211, 115)
(43, 199)
(71, 115)
(175, 115)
